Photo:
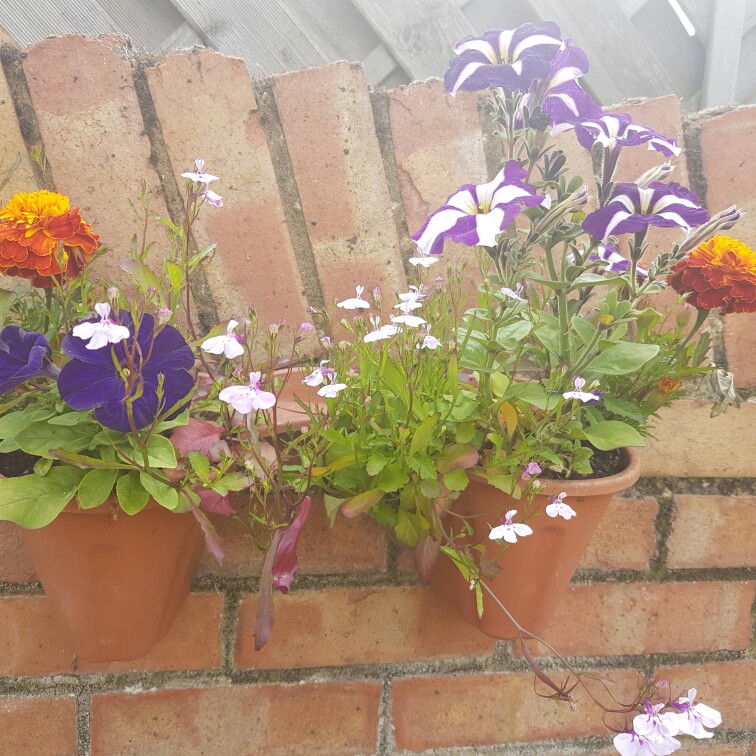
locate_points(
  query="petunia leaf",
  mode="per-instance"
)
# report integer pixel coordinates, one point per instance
(95, 487)
(33, 501)
(131, 494)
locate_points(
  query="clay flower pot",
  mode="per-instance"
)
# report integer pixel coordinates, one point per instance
(538, 568)
(116, 583)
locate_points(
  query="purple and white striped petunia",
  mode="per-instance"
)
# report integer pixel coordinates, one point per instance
(614, 131)
(508, 58)
(613, 261)
(631, 209)
(559, 94)
(476, 215)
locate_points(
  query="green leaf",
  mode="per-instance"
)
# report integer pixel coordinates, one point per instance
(200, 464)
(376, 462)
(165, 495)
(457, 455)
(385, 514)
(362, 502)
(15, 422)
(160, 452)
(95, 487)
(392, 477)
(42, 466)
(620, 359)
(612, 434)
(431, 488)
(131, 493)
(532, 393)
(408, 528)
(505, 483)
(456, 480)
(508, 336)
(423, 434)
(41, 437)
(624, 408)
(70, 418)
(332, 507)
(595, 279)
(33, 501)
(86, 462)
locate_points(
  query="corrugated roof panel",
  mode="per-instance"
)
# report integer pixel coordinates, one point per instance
(147, 22)
(50, 18)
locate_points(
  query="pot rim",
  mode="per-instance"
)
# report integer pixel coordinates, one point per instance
(590, 486)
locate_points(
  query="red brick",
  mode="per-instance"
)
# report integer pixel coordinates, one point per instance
(438, 146)
(726, 686)
(482, 710)
(31, 642)
(689, 443)
(352, 545)
(88, 113)
(358, 626)
(330, 719)
(15, 563)
(625, 538)
(328, 123)
(250, 228)
(740, 343)
(649, 618)
(38, 726)
(713, 531)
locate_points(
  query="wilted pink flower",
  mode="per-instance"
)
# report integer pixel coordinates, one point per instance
(285, 567)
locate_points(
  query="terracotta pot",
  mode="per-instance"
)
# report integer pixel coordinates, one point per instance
(117, 584)
(538, 568)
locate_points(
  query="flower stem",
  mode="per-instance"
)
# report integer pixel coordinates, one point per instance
(701, 316)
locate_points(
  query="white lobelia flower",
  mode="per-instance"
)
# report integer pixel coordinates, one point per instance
(510, 530)
(331, 389)
(658, 727)
(557, 507)
(228, 344)
(380, 332)
(692, 720)
(632, 744)
(200, 177)
(317, 376)
(513, 293)
(244, 399)
(582, 396)
(413, 321)
(411, 300)
(355, 303)
(424, 259)
(102, 333)
(429, 342)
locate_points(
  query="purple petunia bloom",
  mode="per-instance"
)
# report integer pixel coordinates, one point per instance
(476, 215)
(509, 58)
(613, 261)
(631, 209)
(103, 379)
(23, 355)
(559, 94)
(614, 131)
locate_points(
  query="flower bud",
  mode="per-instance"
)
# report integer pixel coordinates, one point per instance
(164, 316)
(722, 221)
(657, 173)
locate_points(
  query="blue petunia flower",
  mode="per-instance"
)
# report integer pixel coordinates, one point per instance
(23, 355)
(102, 379)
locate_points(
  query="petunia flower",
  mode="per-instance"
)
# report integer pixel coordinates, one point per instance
(476, 215)
(580, 395)
(631, 209)
(23, 355)
(317, 376)
(331, 389)
(613, 261)
(227, 344)
(720, 273)
(44, 239)
(107, 379)
(379, 331)
(509, 58)
(558, 94)
(557, 507)
(510, 530)
(355, 303)
(692, 720)
(245, 399)
(614, 131)
(100, 333)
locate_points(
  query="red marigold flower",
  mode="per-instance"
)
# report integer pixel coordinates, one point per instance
(42, 238)
(720, 272)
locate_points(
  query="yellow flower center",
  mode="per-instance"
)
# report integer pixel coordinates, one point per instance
(27, 207)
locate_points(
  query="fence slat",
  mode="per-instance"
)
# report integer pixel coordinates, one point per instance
(723, 53)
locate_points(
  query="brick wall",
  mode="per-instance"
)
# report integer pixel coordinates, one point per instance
(321, 180)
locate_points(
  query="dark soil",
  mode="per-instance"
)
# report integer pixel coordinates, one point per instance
(16, 463)
(604, 464)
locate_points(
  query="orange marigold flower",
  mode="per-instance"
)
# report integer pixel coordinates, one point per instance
(43, 238)
(669, 385)
(720, 273)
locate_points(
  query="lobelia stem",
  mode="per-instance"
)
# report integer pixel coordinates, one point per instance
(561, 297)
